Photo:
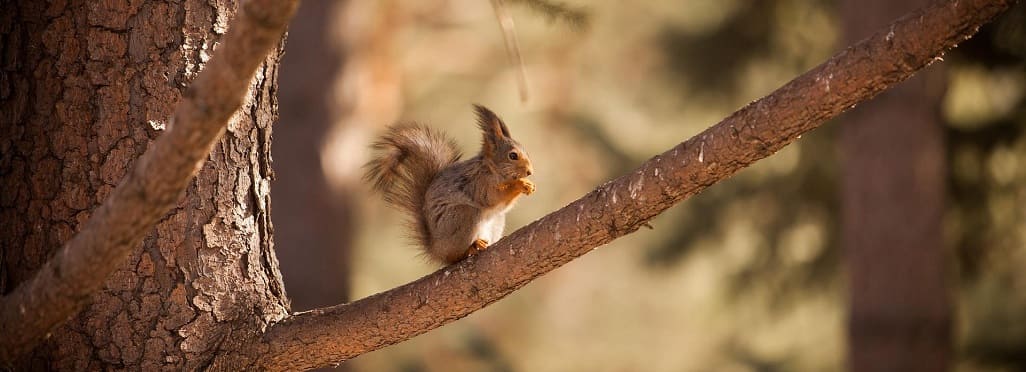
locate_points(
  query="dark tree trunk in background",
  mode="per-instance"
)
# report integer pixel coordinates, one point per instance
(893, 171)
(310, 218)
(84, 87)
(338, 84)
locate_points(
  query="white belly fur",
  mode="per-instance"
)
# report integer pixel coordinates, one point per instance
(491, 226)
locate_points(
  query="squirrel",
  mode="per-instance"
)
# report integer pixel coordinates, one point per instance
(455, 208)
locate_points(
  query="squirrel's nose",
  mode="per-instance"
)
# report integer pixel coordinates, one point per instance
(528, 171)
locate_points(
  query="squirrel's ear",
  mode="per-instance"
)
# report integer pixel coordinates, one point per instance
(492, 127)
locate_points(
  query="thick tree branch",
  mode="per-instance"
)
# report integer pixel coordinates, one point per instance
(66, 282)
(331, 335)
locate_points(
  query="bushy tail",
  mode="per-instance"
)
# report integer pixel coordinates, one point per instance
(408, 158)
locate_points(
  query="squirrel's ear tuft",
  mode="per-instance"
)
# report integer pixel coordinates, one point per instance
(490, 123)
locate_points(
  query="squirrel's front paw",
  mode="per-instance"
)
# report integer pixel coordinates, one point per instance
(525, 186)
(517, 186)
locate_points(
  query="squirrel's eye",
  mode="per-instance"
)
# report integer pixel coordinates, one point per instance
(513, 156)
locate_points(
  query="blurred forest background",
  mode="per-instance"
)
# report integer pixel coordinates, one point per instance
(751, 275)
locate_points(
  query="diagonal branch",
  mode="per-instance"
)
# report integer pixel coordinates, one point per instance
(334, 334)
(66, 282)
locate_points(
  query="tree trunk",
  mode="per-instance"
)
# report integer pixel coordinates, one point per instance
(893, 168)
(205, 285)
(339, 83)
(85, 86)
(309, 217)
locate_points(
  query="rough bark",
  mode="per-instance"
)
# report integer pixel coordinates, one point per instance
(204, 287)
(892, 192)
(893, 54)
(87, 90)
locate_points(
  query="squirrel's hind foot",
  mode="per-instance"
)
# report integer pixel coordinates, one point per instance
(478, 246)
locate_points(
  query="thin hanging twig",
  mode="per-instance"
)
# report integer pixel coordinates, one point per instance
(509, 35)
(330, 335)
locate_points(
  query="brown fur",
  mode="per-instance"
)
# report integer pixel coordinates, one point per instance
(409, 157)
(456, 208)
